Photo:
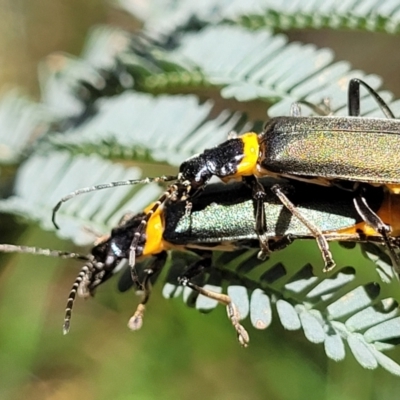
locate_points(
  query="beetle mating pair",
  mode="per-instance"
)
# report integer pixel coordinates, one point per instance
(222, 219)
(351, 153)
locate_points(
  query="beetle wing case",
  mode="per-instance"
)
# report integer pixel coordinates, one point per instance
(348, 148)
(225, 213)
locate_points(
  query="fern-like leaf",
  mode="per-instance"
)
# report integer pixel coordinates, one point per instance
(21, 123)
(354, 304)
(43, 180)
(89, 106)
(166, 16)
(250, 65)
(142, 127)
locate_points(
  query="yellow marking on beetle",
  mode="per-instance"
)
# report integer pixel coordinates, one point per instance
(360, 227)
(390, 212)
(154, 232)
(393, 188)
(251, 151)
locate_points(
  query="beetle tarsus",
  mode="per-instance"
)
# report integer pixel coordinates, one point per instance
(224, 299)
(136, 321)
(234, 316)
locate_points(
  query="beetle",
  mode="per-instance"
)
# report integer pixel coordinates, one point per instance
(326, 150)
(222, 218)
(348, 152)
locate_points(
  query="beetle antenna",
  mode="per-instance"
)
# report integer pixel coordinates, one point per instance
(10, 248)
(164, 178)
(81, 283)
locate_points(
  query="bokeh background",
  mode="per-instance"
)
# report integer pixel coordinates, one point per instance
(179, 354)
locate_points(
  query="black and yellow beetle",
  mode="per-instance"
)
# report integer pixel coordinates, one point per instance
(222, 219)
(349, 152)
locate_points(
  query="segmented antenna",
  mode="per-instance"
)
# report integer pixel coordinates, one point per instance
(84, 276)
(164, 178)
(10, 248)
(82, 281)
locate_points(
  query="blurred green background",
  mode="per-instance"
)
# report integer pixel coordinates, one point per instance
(179, 353)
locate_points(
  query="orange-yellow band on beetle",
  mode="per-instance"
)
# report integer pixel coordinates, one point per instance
(154, 233)
(248, 165)
(360, 227)
(393, 188)
(390, 213)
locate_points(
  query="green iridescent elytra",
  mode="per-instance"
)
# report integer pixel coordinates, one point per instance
(225, 213)
(357, 149)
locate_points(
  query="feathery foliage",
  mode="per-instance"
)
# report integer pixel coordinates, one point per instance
(194, 73)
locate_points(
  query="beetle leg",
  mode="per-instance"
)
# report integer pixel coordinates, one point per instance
(295, 110)
(326, 106)
(156, 263)
(282, 243)
(376, 223)
(258, 195)
(323, 109)
(199, 266)
(354, 99)
(136, 321)
(316, 232)
(232, 311)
